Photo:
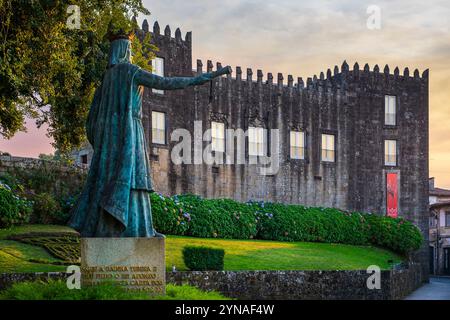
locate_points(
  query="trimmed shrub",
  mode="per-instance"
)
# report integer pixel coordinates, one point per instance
(14, 210)
(203, 258)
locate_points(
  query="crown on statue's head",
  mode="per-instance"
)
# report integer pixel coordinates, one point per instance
(116, 34)
(121, 35)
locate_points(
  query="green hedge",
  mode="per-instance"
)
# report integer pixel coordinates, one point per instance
(203, 258)
(192, 215)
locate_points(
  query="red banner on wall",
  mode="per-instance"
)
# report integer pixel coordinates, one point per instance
(392, 195)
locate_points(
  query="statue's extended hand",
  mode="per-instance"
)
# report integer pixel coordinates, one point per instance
(221, 72)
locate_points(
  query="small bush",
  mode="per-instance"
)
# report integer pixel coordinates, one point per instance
(47, 210)
(14, 210)
(203, 258)
(57, 290)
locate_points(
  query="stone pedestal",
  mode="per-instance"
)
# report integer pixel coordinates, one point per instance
(138, 264)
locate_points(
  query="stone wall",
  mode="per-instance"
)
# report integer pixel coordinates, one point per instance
(48, 176)
(305, 285)
(9, 163)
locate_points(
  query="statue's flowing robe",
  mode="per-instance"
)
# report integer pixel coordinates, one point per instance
(115, 200)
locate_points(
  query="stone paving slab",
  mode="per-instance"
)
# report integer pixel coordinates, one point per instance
(437, 289)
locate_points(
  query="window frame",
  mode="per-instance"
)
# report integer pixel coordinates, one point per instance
(83, 157)
(303, 134)
(327, 160)
(387, 99)
(447, 219)
(264, 137)
(386, 154)
(216, 138)
(161, 74)
(153, 127)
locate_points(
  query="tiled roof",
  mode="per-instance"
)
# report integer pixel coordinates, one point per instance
(440, 192)
(440, 204)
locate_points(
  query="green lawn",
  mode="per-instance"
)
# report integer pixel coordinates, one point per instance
(239, 254)
(272, 255)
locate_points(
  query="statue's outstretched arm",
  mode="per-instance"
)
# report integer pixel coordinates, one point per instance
(150, 80)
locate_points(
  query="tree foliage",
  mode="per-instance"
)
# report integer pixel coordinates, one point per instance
(49, 71)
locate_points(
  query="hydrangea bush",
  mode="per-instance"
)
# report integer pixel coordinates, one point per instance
(192, 215)
(14, 210)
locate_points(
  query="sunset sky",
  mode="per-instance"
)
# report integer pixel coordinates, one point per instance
(303, 38)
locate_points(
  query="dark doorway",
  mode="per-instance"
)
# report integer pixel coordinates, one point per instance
(446, 260)
(431, 260)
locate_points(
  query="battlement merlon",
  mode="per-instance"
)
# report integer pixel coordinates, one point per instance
(156, 32)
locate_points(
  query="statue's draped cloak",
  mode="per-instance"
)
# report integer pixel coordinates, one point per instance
(119, 164)
(115, 199)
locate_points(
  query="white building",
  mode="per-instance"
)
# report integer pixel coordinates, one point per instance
(439, 230)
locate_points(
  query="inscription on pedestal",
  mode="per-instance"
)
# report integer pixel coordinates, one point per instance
(138, 264)
(133, 278)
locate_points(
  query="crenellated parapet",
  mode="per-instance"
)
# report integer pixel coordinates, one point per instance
(167, 34)
(332, 79)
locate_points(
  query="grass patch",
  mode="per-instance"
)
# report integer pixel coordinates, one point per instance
(272, 255)
(5, 233)
(57, 290)
(239, 254)
(20, 257)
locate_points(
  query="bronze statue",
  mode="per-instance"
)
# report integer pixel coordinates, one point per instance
(115, 200)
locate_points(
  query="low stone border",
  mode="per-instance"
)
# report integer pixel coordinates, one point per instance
(335, 285)
(285, 285)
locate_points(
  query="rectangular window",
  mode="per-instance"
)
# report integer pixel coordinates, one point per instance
(390, 110)
(447, 219)
(217, 136)
(390, 152)
(328, 147)
(432, 222)
(158, 127)
(158, 69)
(297, 145)
(256, 141)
